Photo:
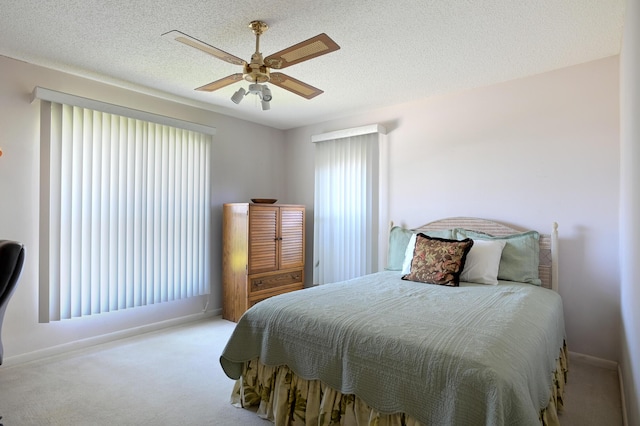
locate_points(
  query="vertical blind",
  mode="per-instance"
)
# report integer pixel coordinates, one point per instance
(125, 212)
(346, 213)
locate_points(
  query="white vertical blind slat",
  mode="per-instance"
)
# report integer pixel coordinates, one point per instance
(96, 172)
(129, 212)
(103, 271)
(55, 164)
(149, 290)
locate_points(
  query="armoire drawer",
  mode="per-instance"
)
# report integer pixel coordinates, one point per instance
(266, 282)
(259, 297)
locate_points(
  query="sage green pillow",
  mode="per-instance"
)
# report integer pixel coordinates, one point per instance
(520, 256)
(441, 233)
(398, 240)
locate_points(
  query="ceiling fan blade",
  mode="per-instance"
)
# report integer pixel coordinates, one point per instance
(218, 84)
(308, 49)
(206, 48)
(296, 86)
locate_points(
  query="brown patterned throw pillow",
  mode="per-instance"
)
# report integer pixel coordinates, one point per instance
(438, 261)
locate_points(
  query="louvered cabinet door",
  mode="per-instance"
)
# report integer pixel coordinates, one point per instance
(291, 237)
(263, 239)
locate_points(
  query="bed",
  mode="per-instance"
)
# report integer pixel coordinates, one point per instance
(486, 346)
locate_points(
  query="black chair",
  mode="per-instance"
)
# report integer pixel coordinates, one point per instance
(11, 261)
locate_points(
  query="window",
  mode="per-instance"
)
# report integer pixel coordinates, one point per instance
(124, 208)
(349, 204)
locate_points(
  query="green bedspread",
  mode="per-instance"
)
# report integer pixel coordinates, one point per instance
(474, 354)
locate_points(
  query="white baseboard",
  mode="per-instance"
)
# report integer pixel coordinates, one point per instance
(594, 361)
(625, 420)
(104, 338)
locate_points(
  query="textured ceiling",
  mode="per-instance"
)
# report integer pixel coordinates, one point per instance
(391, 52)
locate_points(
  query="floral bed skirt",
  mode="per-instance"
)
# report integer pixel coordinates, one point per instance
(288, 400)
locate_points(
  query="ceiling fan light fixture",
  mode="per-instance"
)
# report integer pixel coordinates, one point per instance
(266, 93)
(255, 89)
(237, 97)
(262, 91)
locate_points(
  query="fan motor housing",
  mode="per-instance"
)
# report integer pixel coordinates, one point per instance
(257, 74)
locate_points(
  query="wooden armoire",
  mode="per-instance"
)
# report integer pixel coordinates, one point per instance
(262, 254)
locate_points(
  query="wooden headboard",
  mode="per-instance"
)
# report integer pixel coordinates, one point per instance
(548, 269)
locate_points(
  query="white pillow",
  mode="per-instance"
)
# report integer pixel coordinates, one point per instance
(408, 255)
(483, 262)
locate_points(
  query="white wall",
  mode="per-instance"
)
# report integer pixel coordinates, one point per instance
(247, 162)
(526, 152)
(630, 210)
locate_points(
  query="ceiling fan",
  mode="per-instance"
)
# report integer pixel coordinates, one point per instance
(258, 70)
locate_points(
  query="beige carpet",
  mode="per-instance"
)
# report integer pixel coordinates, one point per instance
(592, 396)
(174, 377)
(170, 377)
